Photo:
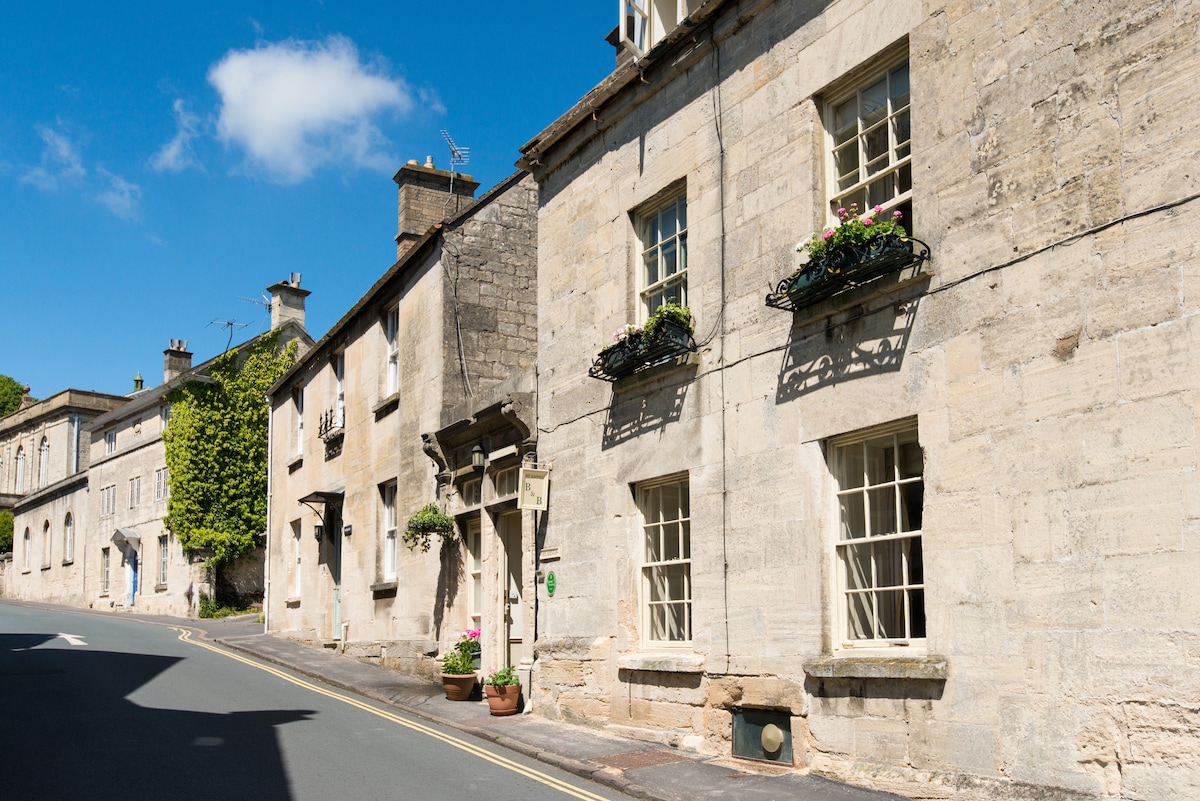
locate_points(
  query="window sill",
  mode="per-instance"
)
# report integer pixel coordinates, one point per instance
(292, 603)
(68, 562)
(295, 464)
(878, 666)
(26, 572)
(160, 587)
(384, 589)
(683, 662)
(45, 568)
(103, 595)
(386, 406)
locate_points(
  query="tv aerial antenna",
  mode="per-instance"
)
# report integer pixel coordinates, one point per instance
(264, 301)
(459, 156)
(230, 324)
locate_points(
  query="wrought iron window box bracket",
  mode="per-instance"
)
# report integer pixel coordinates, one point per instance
(847, 269)
(625, 359)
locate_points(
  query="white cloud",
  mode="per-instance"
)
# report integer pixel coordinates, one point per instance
(177, 155)
(60, 162)
(296, 106)
(121, 197)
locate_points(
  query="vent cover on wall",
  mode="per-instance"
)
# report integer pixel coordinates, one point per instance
(764, 734)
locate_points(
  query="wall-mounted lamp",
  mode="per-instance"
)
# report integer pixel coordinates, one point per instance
(318, 531)
(477, 457)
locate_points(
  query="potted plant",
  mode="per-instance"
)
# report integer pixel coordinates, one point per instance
(620, 355)
(458, 675)
(670, 321)
(468, 643)
(427, 521)
(667, 333)
(858, 249)
(503, 690)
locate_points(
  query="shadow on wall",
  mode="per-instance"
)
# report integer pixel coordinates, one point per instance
(450, 576)
(646, 407)
(864, 344)
(74, 734)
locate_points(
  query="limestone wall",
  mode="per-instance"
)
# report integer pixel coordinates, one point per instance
(1046, 355)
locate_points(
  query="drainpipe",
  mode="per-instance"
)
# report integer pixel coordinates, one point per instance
(267, 533)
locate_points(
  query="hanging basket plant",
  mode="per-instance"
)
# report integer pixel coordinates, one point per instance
(427, 521)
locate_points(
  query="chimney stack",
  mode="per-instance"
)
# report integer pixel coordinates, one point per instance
(176, 359)
(287, 301)
(428, 196)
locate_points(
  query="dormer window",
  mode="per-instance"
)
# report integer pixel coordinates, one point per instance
(644, 23)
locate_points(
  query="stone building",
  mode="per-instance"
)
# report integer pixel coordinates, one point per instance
(434, 362)
(137, 562)
(43, 480)
(929, 516)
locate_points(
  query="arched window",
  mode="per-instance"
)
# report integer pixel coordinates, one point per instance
(44, 463)
(69, 538)
(46, 544)
(20, 469)
(26, 547)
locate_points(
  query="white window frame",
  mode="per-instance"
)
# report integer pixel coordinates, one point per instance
(659, 524)
(643, 23)
(662, 235)
(857, 185)
(297, 541)
(472, 492)
(110, 442)
(105, 570)
(865, 484)
(108, 500)
(506, 482)
(69, 538)
(391, 335)
(390, 533)
(163, 558)
(20, 470)
(298, 415)
(135, 492)
(44, 463)
(474, 564)
(339, 377)
(162, 485)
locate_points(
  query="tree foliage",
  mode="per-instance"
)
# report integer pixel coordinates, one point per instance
(216, 451)
(10, 395)
(6, 531)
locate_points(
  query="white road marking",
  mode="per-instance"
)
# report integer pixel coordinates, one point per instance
(72, 639)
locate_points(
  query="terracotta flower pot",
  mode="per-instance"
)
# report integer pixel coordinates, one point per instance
(458, 687)
(503, 700)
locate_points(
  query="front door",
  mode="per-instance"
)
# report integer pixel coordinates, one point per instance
(333, 531)
(131, 574)
(514, 619)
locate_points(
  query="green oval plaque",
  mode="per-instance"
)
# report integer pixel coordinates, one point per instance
(550, 582)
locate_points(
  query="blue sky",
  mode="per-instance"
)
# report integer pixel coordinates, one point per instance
(160, 161)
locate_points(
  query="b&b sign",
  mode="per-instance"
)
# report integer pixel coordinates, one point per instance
(535, 486)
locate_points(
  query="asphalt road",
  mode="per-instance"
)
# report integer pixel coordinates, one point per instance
(99, 707)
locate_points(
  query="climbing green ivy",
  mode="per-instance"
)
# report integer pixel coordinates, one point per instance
(216, 450)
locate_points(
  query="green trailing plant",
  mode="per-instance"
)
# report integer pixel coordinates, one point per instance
(211, 608)
(216, 452)
(6, 531)
(427, 521)
(504, 677)
(635, 336)
(852, 229)
(457, 663)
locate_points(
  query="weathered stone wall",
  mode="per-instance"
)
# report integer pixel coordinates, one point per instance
(487, 258)
(1047, 357)
(50, 573)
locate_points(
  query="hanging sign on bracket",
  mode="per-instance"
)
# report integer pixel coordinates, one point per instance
(535, 487)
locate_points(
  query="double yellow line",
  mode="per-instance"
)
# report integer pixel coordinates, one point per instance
(186, 636)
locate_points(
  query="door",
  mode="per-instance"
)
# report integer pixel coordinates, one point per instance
(333, 528)
(131, 574)
(514, 618)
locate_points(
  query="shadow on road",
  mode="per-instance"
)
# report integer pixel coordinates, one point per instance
(69, 732)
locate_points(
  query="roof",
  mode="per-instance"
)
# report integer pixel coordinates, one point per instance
(624, 75)
(408, 262)
(60, 402)
(151, 397)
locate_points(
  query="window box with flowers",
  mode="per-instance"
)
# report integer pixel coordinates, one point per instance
(666, 335)
(859, 249)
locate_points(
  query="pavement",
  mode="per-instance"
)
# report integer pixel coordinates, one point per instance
(634, 767)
